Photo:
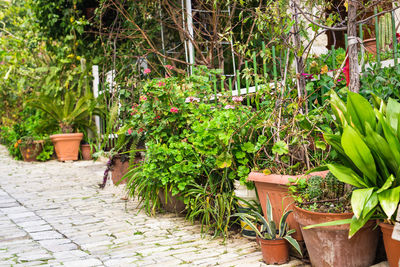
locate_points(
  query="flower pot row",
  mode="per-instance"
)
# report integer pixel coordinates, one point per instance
(327, 245)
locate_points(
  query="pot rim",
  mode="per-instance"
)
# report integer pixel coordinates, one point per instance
(329, 214)
(281, 179)
(65, 135)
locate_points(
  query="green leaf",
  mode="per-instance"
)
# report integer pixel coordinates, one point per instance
(387, 185)
(359, 112)
(248, 147)
(357, 224)
(359, 153)
(294, 243)
(320, 145)
(346, 175)
(280, 148)
(358, 200)
(393, 114)
(389, 200)
(331, 223)
(338, 108)
(224, 160)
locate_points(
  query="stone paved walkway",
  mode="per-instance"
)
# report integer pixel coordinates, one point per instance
(54, 214)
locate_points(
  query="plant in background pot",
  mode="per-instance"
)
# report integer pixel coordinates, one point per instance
(368, 142)
(71, 114)
(323, 200)
(296, 147)
(274, 238)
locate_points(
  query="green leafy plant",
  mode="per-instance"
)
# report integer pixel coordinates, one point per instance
(71, 113)
(368, 142)
(269, 229)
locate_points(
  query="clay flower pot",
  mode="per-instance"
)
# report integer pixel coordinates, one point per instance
(85, 151)
(274, 251)
(330, 246)
(276, 186)
(118, 170)
(173, 203)
(31, 151)
(392, 246)
(67, 145)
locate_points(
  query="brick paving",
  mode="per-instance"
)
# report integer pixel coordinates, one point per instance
(54, 214)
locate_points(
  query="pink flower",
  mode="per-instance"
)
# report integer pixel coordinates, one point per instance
(167, 76)
(169, 67)
(147, 71)
(140, 130)
(191, 99)
(237, 99)
(143, 98)
(129, 131)
(161, 83)
(174, 110)
(229, 107)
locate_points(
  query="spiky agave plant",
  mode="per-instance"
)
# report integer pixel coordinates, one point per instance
(269, 229)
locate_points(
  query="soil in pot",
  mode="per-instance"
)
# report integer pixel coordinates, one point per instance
(31, 151)
(67, 145)
(172, 203)
(392, 246)
(274, 251)
(329, 246)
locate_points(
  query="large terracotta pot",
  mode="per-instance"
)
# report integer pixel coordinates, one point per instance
(276, 186)
(30, 151)
(119, 169)
(86, 153)
(392, 246)
(274, 251)
(329, 246)
(67, 145)
(173, 203)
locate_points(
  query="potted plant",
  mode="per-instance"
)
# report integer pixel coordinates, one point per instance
(326, 199)
(368, 142)
(274, 239)
(88, 147)
(298, 148)
(71, 114)
(29, 148)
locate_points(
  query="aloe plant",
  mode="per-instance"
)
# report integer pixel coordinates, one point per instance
(70, 113)
(368, 140)
(269, 229)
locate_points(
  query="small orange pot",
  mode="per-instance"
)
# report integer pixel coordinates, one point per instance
(86, 153)
(67, 145)
(274, 251)
(392, 246)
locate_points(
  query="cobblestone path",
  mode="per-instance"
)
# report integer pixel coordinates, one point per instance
(54, 214)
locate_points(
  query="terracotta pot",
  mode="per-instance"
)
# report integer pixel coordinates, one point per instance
(86, 153)
(119, 169)
(392, 246)
(274, 251)
(67, 145)
(330, 246)
(276, 187)
(31, 151)
(173, 203)
(370, 46)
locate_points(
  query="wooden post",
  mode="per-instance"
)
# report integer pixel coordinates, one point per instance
(354, 85)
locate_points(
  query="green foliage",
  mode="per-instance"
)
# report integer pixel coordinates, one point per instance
(383, 82)
(47, 152)
(269, 229)
(369, 145)
(67, 113)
